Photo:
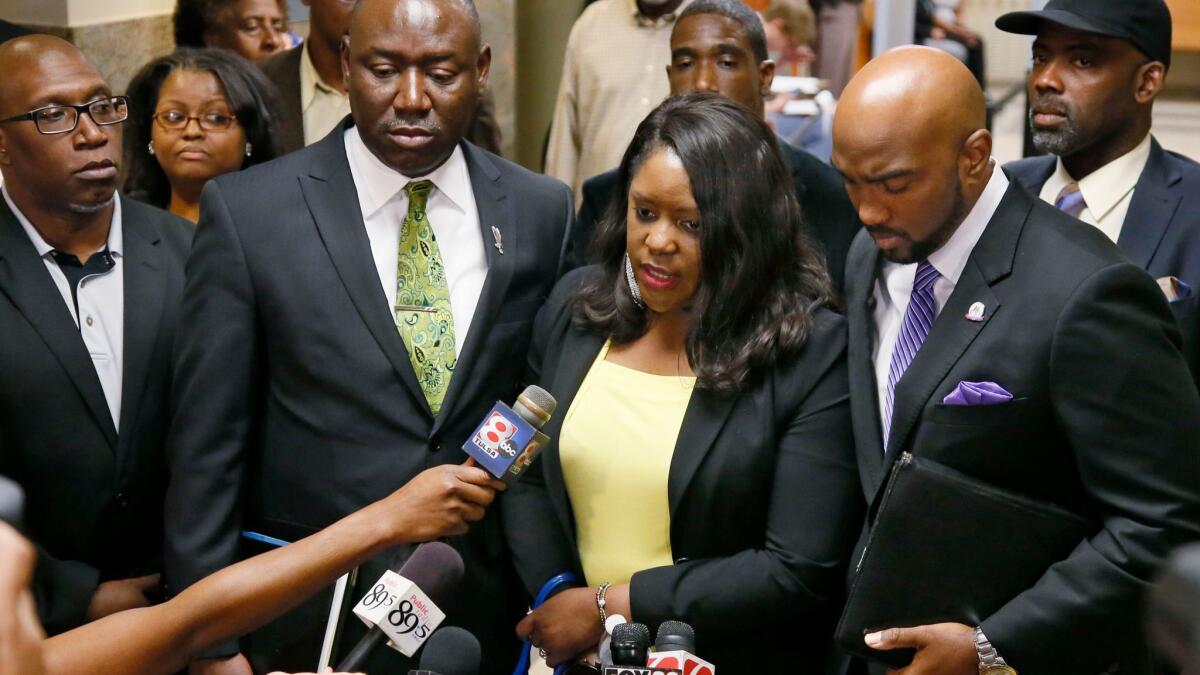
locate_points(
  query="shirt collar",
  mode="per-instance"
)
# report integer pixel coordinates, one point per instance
(644, 21)
(116, 238)
(1105, 187)
(951, 258)
(378, 183)
(310, 80)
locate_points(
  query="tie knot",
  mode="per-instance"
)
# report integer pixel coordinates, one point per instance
(418, 194)
(1070, 200)
(925, 278)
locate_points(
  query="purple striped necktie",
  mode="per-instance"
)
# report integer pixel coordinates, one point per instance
(918, 320)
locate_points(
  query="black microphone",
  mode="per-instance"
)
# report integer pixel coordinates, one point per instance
(450, 651)
(436, 569)
(629, 644)
(12, 502)
(675, 647)
(508, 440)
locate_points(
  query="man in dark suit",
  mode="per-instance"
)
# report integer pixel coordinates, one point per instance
(90, 284)
(356, 308)
(963, 283)
(309, 77)
(1104, 166)
(719, 46)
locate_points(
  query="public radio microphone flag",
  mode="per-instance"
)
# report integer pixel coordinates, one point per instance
(507, 441)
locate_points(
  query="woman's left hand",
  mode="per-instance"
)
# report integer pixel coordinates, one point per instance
(565, 626)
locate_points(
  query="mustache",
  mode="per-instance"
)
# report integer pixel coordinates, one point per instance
(886, 231)
(424, 125)
(1050, 103)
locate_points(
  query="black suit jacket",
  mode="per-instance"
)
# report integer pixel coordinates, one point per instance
(828, 213)
(296, 400)
(284, 70)
(94, 490)
(1104, 421)
(1161, 232)
(762, 492)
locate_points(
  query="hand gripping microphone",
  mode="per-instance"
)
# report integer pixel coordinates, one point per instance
(508, 440)
(674, 647)
(403, 608)
(451, 651)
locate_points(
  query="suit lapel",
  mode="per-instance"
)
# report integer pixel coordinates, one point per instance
(706, 414)
(576, 360)
(1153, 206)
(144, 294)
(495, 210)
(864, 404)
(27, 283)
(333, 201)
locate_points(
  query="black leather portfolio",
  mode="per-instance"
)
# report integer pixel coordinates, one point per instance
(947, 547)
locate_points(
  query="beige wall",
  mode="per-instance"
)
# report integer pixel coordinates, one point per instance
(542, 30)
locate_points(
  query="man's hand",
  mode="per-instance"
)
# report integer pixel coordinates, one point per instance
(565, 626)
(942, 649)
(233, 665)
(121, 594)
(441, 501)
(20, 633)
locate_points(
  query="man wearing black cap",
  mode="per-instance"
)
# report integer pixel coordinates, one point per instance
(1098, 65)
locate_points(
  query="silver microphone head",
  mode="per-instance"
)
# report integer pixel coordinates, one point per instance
(535, 405)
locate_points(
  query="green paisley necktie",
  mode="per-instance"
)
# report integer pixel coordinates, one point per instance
(423, 314)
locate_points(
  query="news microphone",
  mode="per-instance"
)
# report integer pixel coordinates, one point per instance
(403, 607)
(450, 651)
(508, 440)
(630, 641)
(12, 502)
(675, 646)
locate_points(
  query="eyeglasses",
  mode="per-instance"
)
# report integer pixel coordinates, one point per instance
(62, 119)
(176, 120)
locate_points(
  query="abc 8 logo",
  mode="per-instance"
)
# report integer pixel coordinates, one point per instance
(497, 430)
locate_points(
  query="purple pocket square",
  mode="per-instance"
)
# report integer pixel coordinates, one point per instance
(977, 393)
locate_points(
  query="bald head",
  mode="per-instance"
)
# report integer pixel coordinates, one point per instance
(27, 60)
(421, 9)
(910, 138)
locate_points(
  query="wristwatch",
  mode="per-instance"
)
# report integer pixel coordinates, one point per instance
(990, 662)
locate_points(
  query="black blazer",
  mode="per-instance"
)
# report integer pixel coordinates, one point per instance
(1161, 232)
(296, 400)
(1104, 421)
(828, 214)
(284, 70)
(762, 492)
(94, 490)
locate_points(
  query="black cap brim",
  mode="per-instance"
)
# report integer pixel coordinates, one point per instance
(1030, 23)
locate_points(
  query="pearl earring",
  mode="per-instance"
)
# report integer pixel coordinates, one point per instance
(150, 148)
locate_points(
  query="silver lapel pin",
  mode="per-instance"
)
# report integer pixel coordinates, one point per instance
(499, 242)
(975, 313)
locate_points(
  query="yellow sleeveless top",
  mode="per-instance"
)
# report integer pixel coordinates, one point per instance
(616, 446)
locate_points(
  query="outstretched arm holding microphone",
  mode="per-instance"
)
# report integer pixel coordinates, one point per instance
(439, 502)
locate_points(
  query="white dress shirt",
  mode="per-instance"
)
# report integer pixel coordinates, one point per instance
(452, 215)
(1107, 191)
(323, 107)
(894, 285)
(101, 304)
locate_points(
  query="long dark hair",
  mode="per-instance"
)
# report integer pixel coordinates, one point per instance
(252, 98)
(761, 281)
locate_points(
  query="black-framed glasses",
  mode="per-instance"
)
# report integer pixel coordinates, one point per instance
(176, 120)
(62, 119)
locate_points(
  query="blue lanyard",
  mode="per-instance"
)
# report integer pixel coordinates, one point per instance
(548, 589)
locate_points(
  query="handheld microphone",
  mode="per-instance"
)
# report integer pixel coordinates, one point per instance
(630, 641)
(12, 502)
(403, 608)
(508, 440)
(451, 651)
(674, 647)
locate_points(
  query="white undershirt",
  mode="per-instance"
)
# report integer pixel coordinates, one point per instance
(894, 285)
(101, 304)
(452, 214)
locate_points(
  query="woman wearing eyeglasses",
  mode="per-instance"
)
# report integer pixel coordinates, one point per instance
(196, 114)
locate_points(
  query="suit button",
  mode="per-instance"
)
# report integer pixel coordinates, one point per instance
(122, 501)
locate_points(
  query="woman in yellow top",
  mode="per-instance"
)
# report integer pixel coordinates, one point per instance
(703, 468)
